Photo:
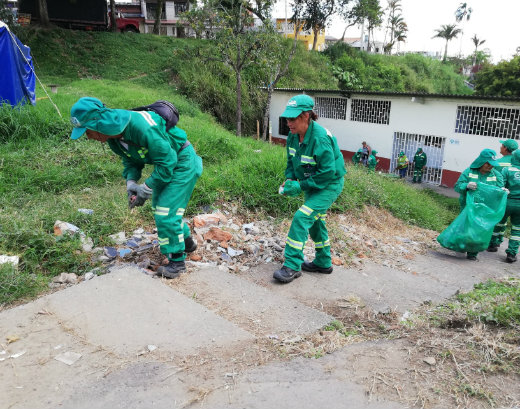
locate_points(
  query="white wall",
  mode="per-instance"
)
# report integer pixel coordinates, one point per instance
(427, 116)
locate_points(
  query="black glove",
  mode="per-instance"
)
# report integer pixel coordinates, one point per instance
(143, 193)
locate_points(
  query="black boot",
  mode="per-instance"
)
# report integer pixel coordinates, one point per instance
(190, 245)
(313, 268)
(492, 248)
(172, 269)
(511, 258)
(286, 274)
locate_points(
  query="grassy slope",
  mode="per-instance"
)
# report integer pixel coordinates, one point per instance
(44, 176)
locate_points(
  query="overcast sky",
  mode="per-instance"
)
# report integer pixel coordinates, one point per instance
(496, 21)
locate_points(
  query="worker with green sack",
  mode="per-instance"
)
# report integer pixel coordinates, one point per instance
(372, 161)
(356, 159)
(145, 137)
(481, 172)
(511, 177)
(419, 163)
(315, 166)
(402, 165)
(507, 148)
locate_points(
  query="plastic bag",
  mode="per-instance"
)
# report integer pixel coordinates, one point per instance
(471, 231)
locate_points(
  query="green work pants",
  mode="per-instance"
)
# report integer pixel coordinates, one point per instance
(309, 219)
(512, 211)
(169, 204)
(417, 174)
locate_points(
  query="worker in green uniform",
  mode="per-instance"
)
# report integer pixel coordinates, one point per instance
(142, 138)
(511, 177)
(419, 163)
(507, 148)
(356, 159)
(402, 164)
(372, 161)
(482, 170)
(315, 166)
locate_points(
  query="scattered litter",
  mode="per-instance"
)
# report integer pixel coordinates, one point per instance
(226, 257)
(58, 347)
(14, 260)
(17, 355)
(86, 211)
(151, 348)
(231, 374)
(68, 358)
(405, 316)
(12, 338)
(86, 244)
(60, 228)
(89, 276)
(292, 340)
(273, 336)
(430, 360)
(118, 238)
(124, 252)
(65, 278)
(3, 352)
(233, 252)
(110, 252)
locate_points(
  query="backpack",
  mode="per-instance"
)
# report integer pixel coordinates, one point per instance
(165, 110)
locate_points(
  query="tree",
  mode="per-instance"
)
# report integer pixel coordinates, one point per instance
(44, 14)
(6, 15)
(158, 13)
(463, 13)
(476, 42)
(355, 15)
(502, 79)
(113, 25)
(395, 22)
(315, 15)
(374, 18)
(448, 32)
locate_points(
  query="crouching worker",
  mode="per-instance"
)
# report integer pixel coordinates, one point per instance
(141, 138)
(315, 166)
(481, 171)
(511, 177)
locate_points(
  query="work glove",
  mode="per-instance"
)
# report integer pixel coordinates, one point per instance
(131, 191)
(143, 193)
(505, 189)
(292, 188)
(472, 186)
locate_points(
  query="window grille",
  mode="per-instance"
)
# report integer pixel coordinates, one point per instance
(180, 8)
(283, 128)
(367, 110)
(334, 108)
(432, 145)
(488, 121)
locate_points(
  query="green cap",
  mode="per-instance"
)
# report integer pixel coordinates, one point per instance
(297, 105)
(401, 153)
(486, 156)
(374, 152)
(419, 150)
(515, 160)
(510, 144)
(91, 113)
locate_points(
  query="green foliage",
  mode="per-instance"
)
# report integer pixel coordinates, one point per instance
(502, 79)
(496, 302)
(15, 285)
(359, 70)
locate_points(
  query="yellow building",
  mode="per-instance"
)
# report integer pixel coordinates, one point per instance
(306, 37)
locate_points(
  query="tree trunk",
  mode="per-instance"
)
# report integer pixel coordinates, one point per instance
(113, 25)
(445, 51)
(315, 40)
(239, 103)
(44, 14)
(267, 113)
(158, 12)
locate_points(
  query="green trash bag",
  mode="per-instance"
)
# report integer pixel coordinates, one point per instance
(471, 231)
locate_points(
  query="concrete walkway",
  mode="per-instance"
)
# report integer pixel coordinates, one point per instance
(141, 342)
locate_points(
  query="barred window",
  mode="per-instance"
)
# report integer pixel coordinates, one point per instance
(367, 110)
(334, 108)
(488, 121)
(283, 128)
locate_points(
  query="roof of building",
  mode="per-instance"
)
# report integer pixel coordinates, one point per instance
(348, 94)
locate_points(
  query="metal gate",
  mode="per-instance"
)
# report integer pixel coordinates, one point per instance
(433, 146)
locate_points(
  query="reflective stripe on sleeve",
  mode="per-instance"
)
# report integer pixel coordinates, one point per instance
(294, 243)
(306, 210)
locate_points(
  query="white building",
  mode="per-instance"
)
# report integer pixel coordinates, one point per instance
(451, 129)
(170, 17)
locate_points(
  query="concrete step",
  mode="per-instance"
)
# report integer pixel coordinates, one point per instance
(259, 310)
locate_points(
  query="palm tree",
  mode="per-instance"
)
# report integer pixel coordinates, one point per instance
(477, 42)
(448, 32)
(400, 34)
(463, 13)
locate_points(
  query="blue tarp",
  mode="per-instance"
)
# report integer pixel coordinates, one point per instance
(17, 79)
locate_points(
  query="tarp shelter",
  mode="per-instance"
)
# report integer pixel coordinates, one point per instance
(17, 78)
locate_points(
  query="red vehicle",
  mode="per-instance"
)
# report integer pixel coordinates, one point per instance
(83, 15)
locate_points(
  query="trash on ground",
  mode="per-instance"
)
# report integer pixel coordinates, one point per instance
(68, 358)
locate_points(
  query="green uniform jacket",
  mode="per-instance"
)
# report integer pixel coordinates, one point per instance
(317, 161)
(402, 162)
(493, 178)
(505, 161)
(511, 177)
(420, 160)
(356, 158)
(372, 162)
(149, 143)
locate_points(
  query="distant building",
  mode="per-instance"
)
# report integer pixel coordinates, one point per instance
(287, 28)
(170, 17)
(451, 129)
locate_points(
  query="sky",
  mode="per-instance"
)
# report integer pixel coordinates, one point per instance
(495, 21)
